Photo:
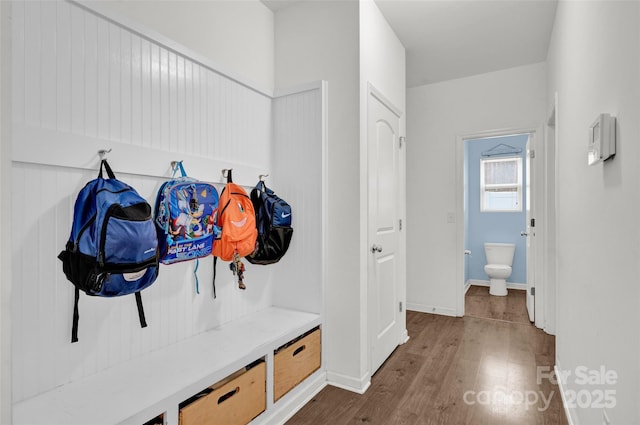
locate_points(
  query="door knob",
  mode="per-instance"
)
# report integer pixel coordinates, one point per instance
(523, 233)
(376, 248)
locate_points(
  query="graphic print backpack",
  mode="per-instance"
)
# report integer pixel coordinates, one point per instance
(113, 246)
(184, 217)
(237, 223)
(273, 220)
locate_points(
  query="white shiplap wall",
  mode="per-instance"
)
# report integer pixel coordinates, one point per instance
(81, 83)
(299, 169)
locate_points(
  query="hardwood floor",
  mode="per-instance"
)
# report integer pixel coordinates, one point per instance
(452, 371)
(513, 307)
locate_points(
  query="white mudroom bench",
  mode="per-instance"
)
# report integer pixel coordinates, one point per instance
(156, 383)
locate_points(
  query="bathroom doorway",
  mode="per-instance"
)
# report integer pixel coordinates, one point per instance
(496, 206)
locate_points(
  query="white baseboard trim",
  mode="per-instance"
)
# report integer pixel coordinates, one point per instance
(423, 308)
(571, 420)
(467, 285)
(550, 330)
(510, 285)
(404, 338)
(292, 402)
(349, 383)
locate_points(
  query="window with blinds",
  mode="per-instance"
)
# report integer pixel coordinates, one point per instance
(501, 184)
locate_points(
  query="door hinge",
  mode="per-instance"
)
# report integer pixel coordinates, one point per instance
(400, 306)
(400, 224)
(533, 222)
(402, 140)
(532, 154)
(533, 291)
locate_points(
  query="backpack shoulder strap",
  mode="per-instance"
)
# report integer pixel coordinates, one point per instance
(76, 315)
(256, 192)
(215, 263)
(106, 166)
(178, 166)
(143, 321)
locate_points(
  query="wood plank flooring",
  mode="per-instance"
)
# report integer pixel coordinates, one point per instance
(513, 307)
(452, 371)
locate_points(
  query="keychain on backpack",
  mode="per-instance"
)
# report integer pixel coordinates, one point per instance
(237, 267)
(236, 220)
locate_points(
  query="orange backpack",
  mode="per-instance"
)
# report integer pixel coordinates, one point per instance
(237, 222)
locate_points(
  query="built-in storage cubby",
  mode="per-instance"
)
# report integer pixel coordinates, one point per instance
(235, 400)
(158, 382)
(158, 420)
(83, 81)
(295, 361)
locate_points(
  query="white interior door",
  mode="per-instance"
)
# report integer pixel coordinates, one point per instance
(383, 265)
(529, 234)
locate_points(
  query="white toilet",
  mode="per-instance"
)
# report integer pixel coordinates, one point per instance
(498, 268)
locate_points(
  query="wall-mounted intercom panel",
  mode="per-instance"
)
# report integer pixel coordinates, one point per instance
(602, 139)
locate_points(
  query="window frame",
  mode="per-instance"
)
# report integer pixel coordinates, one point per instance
(518, 185)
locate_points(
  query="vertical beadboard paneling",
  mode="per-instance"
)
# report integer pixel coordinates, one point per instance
(136, 91)
(165, 129)
(179, 106)
(17, 61)
(91, 75)
(125, 86)
(48, 68)
(145, 93)
(46, 235)
(63, 66)
(78, 60)
(190, 121)
(103, 93)
(156, 88)
(172, 101)
(297, 147)
(78, 74)
(32, 62)
(114, 67)
(19, 362)
(217, 110)
(63, 291)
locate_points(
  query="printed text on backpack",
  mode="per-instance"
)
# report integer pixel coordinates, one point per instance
(273, 221)
(113, 246)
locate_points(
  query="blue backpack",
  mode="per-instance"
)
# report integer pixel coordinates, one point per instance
(273, 220)
(185, 212)
(113, 246)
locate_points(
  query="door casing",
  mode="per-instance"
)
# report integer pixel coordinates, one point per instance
(536, 133)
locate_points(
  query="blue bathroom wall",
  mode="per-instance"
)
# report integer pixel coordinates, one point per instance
(484, 227)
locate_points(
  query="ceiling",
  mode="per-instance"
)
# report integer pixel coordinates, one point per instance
(447, 39)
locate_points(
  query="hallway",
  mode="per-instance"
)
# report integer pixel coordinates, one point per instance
(453, 371)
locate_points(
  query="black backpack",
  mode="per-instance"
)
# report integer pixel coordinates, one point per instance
(273, 220)
(113, 246)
